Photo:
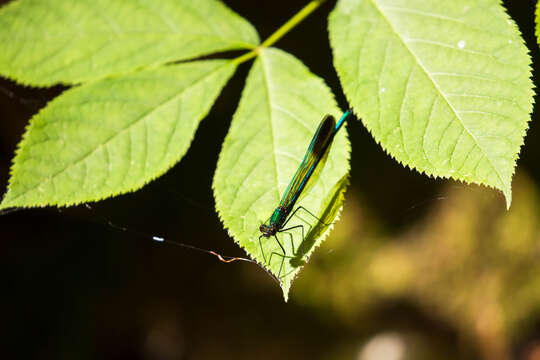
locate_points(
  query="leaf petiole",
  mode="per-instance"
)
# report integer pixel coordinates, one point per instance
(279, 33)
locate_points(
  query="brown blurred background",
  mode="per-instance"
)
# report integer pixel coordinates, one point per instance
(416, 268)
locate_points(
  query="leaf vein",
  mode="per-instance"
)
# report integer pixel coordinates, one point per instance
(403, 101)
(379, 87)
(428, 122)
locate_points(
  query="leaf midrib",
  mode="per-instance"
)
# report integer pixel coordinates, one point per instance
(268, 91)
(128, 34)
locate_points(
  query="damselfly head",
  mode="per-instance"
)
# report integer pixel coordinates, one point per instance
(267, 231)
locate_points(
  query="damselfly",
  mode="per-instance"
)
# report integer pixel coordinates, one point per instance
(282, 214)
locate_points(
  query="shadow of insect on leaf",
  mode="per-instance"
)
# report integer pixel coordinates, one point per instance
(332, 205)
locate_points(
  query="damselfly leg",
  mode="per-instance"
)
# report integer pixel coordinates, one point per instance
(297, 252)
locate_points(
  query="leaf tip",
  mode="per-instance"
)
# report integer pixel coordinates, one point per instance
(508, 196)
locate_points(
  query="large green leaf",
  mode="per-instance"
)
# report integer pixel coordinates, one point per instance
(114, 135)
(537, 21)
(443, 86)
(49, 41)
(281, 107)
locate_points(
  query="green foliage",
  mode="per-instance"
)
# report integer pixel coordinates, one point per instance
(47, 42)
(114, 135)
(537, 20)
(443, 86)
(280, 110)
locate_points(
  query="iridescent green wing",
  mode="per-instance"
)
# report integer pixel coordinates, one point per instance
(323, 136)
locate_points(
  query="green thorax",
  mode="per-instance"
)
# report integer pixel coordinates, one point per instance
(278, 217)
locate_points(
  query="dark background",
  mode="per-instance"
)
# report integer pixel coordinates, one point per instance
(75, 287)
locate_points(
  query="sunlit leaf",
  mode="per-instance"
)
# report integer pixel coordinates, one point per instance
(281, 107)
(45, 42)
(537, 20)
(443, 86)
(114, 135)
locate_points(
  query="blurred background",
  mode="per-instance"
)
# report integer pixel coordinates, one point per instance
(417, 268)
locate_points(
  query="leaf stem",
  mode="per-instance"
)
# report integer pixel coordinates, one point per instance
(285, 28)
(279, 33)
(246, 56)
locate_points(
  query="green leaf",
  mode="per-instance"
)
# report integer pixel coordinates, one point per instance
(537, 20)
(280, 109)
(113, 136)
(45, 42)
(443, 86)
